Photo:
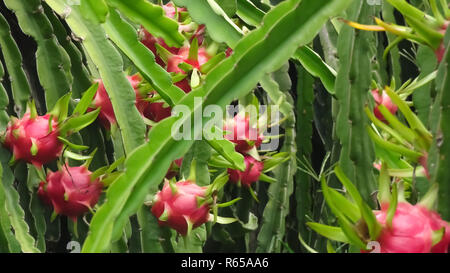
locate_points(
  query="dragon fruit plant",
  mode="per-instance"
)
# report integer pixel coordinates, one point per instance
(422, 28)
(247, 126)
(397, 227)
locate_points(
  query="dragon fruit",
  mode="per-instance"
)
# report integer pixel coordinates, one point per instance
(437, 223)
(150, 42)
(242, 134)
(31, 140)
(253, 170)
(171, 11)
(70, 191)
(101, 99)
(411, 230)
(156, 111)
(386, 101)
(175, 206)
(42, 193)
(183, 56)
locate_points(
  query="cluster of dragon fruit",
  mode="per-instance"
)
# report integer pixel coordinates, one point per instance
(181, 204)
(73, 191)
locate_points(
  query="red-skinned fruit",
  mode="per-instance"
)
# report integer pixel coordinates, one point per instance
(30, 139)
(150, 41)
(175, 206)
(101, 99)
(71, 191)
(199, 34)
(42, 193)
(183, 56)
(239, 131)
(438, 223)
(156, 111)
(386, 101)
(253, 170)
(411, 230)
(171, 11)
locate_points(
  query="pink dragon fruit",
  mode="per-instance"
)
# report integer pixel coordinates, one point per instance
(150, 42)
(437, 223)
(411, 230)
(242, 134)
(101, 99)
(171, 11)
(71, 191)
(156, 111)
(31, 140)
(183, 56)
(386, 101)
(175, 207)
(253, 170)
(42, 193)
